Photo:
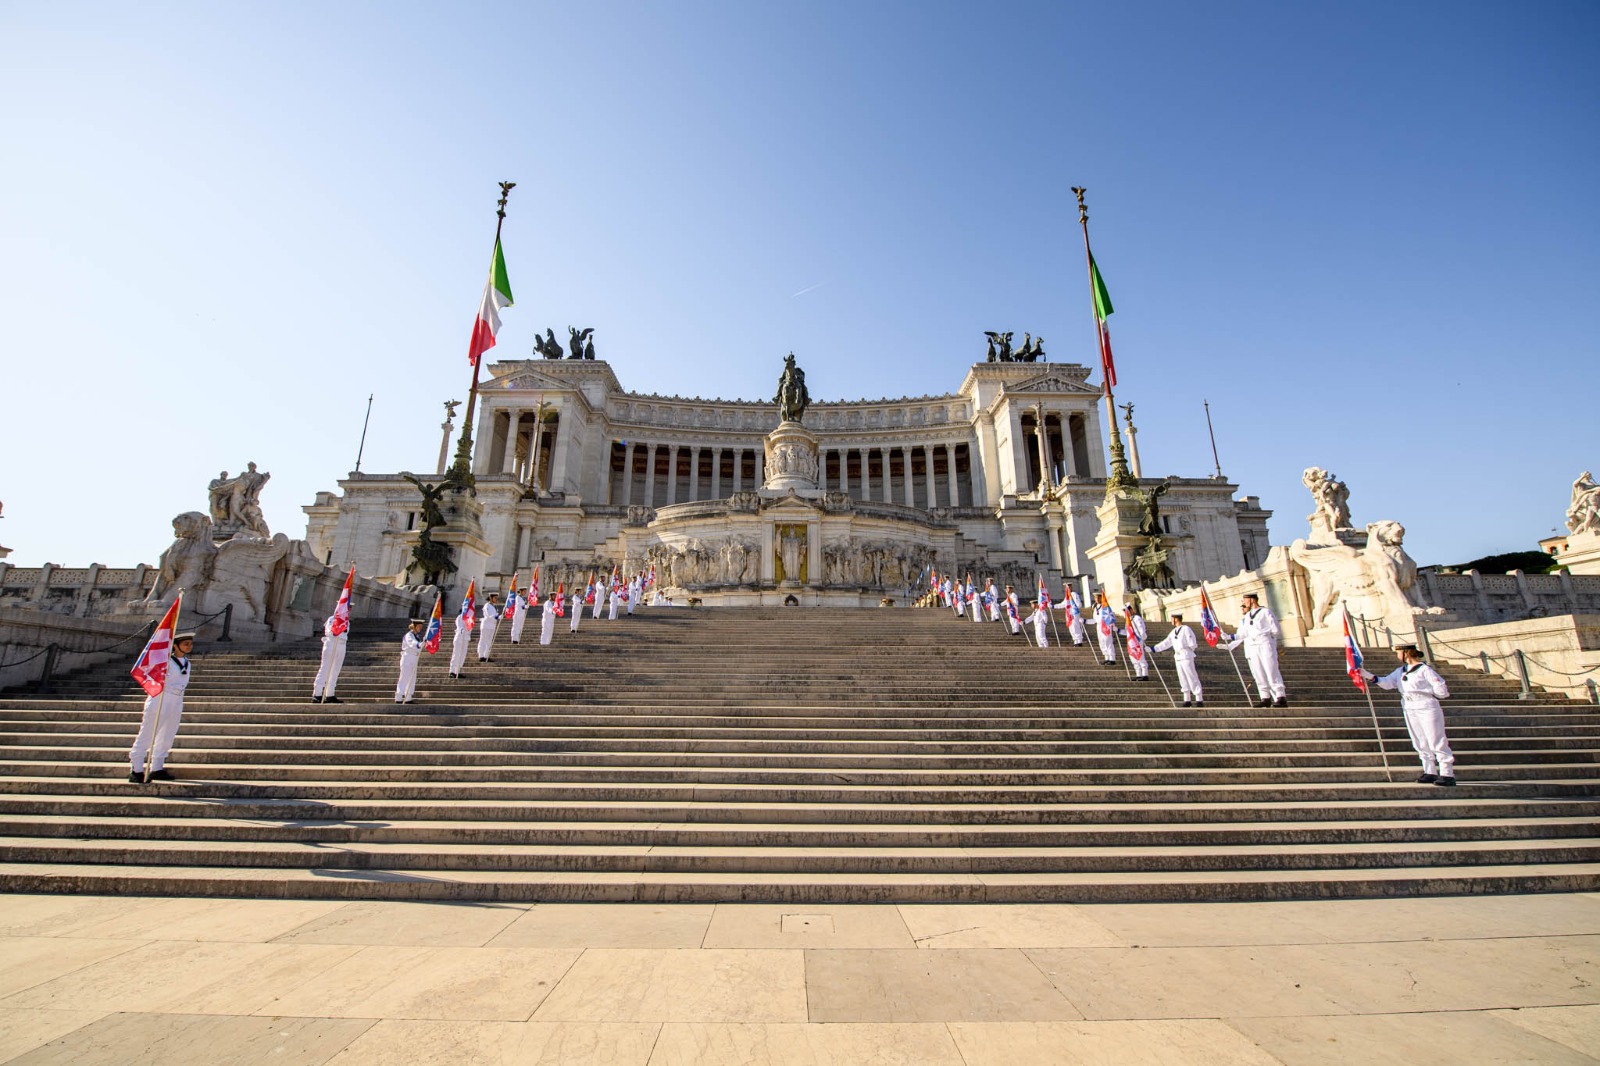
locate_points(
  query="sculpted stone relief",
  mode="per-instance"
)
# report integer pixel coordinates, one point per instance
(1583, 515)
(852, 561)
(1379, 581)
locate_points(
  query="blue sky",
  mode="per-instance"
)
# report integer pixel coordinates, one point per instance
(1362, 231)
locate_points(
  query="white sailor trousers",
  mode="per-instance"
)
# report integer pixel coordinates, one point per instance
(1263, 660)
(171, 716)
(1425, 723)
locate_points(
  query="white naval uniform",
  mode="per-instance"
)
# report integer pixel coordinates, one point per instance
(599, 601)
(1041, 626)
(976, 604)
(613, 601)
(332, 660)
(171, 705)
(1258, 632)
(1013, 613)
(1182, 643)
(1075, 627)
(1141, 665)
(547, 622)
(1421, 689)
(410, 656)
(518, 617)
(1105, 627)
(460, 640)
(575, 611)
(488, 622)
(635, 590)
(994, 602)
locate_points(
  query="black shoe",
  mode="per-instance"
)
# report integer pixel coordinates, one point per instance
(331, 699)
(1281, 701)
(456, 676)
(136, 778)
(1265, 703)
(411, 701)
(1186, 703)
(483, 658)
(1199, 703)
(1444, 781)
(316, 699)
(399, 701)
(1426, 779)
(161, 775)
(1111, 662)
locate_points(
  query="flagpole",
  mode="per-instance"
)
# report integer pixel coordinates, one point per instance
(1214, 460)
(1157, 671)
(460, 472)
(1372, 709)
(1120, 476)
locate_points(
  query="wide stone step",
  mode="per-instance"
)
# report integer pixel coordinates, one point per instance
(876, 887)
(494, 834)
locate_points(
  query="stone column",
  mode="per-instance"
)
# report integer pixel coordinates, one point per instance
(650, 475)
(672, 474)
(508, 457)
(910, 482)
(627, 473)
(694, 473)
(1056, 525)
(927, 476)
(888, 488)
(524, 539)
(716, 473)
(950, 474)
(844, 471)
(761, 462)
(560, 438)
(738, 461)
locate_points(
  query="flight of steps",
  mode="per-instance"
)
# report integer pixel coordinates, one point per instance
(786, 755)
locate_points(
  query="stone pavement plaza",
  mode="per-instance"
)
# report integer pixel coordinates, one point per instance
(125, 980)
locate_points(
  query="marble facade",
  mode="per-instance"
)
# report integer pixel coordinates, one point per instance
(1003, 475)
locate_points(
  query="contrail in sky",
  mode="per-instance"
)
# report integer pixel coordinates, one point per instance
(808, 288)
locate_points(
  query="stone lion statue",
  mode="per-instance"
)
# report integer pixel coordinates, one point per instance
(1377, 582)
(188, 562)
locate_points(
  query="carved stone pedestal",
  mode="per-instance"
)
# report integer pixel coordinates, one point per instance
(1583, 553)
(1118, 544)
(791, 459)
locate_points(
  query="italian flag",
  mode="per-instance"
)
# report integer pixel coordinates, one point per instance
(496, 294)
(1102, 311)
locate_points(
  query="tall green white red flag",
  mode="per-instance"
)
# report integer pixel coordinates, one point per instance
(1102, 311)
(496, 295)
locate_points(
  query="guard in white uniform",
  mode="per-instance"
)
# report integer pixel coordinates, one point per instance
(460, 639)
(1075, 627)
(599, 599)
(488, 622)
(635, 590)
(1105, 625)
(1013, 611)
(332, 662)
(1421, 689)
(519, 614)
(1141, 665)
(1182, 643)
(1041, 623)
(575, 610)
(615, 601)
(171, 704)
(994, 601)
(973, 602)
(405, 689)
(1258, 632)
(547, 622)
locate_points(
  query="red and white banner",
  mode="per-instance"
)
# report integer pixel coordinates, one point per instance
(341, 610)
(151, 669)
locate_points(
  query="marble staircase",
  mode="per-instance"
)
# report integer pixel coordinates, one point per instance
(794, 755)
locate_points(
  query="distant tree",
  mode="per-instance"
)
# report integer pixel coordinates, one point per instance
(1527, 562)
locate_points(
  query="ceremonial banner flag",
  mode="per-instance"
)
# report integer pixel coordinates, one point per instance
(430, 638)
(496, 294)
(1071, 608)
(1135, 645)
(561, 600)
(151, 668)
(469, 606)
(1352, 655)
(1044, 595)
(341, 610)
(511, 599)
(1208, 619)
(533, 588)
(1102, 311)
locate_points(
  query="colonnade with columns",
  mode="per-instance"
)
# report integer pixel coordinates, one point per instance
(511, 447)
(921, 475)
(1064, 448)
